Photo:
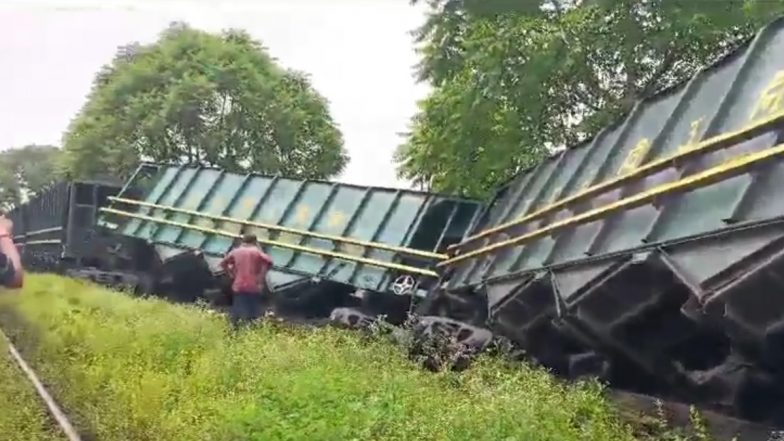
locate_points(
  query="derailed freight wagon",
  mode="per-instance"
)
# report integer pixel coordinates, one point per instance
(333, 245)
(55, 231)
(652, 254)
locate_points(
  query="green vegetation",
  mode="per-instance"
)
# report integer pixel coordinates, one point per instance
(196, 97)
(514, 78)
(25, 171)
(137, 369)
(23, 416)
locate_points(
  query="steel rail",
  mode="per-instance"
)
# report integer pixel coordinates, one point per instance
(59, 416)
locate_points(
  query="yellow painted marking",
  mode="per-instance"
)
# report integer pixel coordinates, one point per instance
(243, 210)
(247, 204)
(714, 174)
(336, 220)
(339, 239)
(694, 135)
(770, 99)
(635, 156)
(304, 249)
(216, 203)
(715, 143)
(587, 184)
(301, 215)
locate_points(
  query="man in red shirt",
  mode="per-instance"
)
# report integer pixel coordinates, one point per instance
(247, 265)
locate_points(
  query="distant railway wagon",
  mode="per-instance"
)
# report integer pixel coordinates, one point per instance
(383, 242)
(57, 228)
(654, 252)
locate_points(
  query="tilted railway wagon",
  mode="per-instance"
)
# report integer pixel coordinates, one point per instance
(652, 254)
(56, 229)
(330, 242)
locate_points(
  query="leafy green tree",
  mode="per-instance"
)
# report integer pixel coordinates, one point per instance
(26, 171)
(197, 98)
(515, 79)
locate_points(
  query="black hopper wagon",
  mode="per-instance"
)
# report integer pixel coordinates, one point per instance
(651, 255)
(56, 231)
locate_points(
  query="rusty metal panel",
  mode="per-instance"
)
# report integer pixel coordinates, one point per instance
(582, 207)
(361, 236)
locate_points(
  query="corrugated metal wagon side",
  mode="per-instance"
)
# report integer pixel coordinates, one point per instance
(44, 218)
(378, 240)
(55, 229)
(658, 244)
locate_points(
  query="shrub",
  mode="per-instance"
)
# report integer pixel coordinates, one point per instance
(135, 369)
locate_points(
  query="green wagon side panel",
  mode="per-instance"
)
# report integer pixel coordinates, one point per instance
(736, 93)
(395, 217)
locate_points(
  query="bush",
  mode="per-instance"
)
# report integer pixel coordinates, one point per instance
(23, 416)
(134, 369)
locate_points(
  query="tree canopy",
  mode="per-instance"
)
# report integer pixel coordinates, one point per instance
(194, 97)
(513, 82)
(25, 171)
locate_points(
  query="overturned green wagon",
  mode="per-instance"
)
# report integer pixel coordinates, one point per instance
(345, 237)
(652, 254)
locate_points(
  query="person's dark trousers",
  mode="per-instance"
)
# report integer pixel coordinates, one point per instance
(245, 308)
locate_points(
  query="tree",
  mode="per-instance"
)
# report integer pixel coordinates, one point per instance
(197, 98)
(26, 171)
(509, 87)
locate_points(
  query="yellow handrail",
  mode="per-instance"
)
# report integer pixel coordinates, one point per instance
(381, 246)
(709, 145)
(735, 165)
(373, 262)
(44, 231)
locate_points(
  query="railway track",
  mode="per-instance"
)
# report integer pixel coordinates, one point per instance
(57, 415)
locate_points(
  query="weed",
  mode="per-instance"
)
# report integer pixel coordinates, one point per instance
(143, 369)
(23, 416)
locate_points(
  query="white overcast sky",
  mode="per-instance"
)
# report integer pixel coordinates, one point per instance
(359, 53)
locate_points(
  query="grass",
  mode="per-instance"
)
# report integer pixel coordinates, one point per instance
(134, 369)
(22, 415)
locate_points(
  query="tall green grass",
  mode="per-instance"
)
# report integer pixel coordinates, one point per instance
(133, 369)
(22, 415)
